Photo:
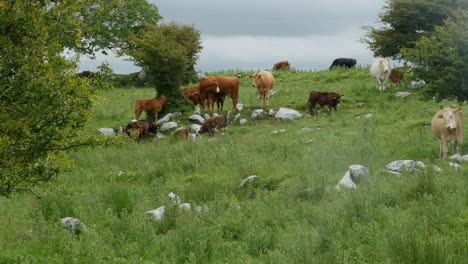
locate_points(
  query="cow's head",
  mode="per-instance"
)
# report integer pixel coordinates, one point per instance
(450, 119)
(162, 99)
(153, 128)
(385, 65)
(256, 77)
(208, 84)
(336, 98)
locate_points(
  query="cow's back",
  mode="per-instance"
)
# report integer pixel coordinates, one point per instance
(228, 84)
(267, 79)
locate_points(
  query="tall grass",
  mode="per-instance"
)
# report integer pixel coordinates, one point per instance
(290, 214)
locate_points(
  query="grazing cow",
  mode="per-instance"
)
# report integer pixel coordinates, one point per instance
(181, 132)
(142, 128)
(381, 69)
(211, 85)
(155, 105)
(343, 62)
(192, 93)
(396, 76)
(331, 99)
(282, 65)
(447, 126)
(264, 82)
(213, 123)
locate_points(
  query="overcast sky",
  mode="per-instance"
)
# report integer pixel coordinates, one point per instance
(251, 35)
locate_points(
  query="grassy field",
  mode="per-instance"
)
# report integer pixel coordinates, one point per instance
(290, 214)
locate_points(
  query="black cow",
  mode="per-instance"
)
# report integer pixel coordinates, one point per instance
(142, 128)
(343, 62)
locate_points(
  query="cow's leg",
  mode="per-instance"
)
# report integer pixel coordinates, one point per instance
(311, 108)
(267, 98)
(234, 101)
(137, 113)
(155, 116)
(444, 147)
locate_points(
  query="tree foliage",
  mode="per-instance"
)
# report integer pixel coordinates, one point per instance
(42, 103)
(441, 59)
(405, 21)
(167, 52)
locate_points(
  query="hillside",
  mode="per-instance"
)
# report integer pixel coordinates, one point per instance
(290, 214)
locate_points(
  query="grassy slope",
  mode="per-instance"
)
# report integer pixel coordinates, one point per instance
(291, 214)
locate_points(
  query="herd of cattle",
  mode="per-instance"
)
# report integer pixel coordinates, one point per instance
(447, 124)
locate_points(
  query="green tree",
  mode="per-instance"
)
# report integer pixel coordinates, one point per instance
(441, 59)
(43, 105)
(405, 21)
(167, 52)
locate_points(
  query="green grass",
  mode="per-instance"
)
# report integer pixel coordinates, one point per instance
(290, 214)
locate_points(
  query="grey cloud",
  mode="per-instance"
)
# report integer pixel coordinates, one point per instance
(271, 18)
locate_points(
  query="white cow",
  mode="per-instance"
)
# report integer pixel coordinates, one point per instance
(447, 126)
(381, 69)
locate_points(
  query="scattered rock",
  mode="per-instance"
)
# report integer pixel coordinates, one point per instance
(436, 169)
(167, 117)
(307, 129)
(169, 126)
(185, 206)
(247, 180)
(399, 166)
(243, 121)
(353, 176)
(417, 84)
(107, 131)
(236, 117)
(459, 158)
(157, 214)
(73, 224)
(278, 131)
(456, 166)
(206, 116)
(360, 104)
(402, 94)
(257, 113)
(239, 106)
(174, 199)
(160, 136)
(202, 209)
(195, 127)
(197, 110)
(271, 112)
(369, 115)
(197, 118)
(287, 114)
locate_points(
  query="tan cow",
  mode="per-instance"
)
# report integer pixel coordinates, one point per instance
(150, 105)
(447, 126)
(264, 82)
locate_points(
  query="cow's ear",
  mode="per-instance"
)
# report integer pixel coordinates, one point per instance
(458, 110)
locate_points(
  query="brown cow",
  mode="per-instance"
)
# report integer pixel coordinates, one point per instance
(181, 132)
(331, 99)
(141, 128)
(192, 93)
(211, 85)
(282, 65)
(396, 76)
(155, 105)
(447, 126)
(213, 123)
(264, 82)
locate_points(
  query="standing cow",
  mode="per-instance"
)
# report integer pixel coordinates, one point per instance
(264, 82)
(343, 62)
(154, 105)
(331, 99)
(211, 86)
(381, 69)
(447, 126)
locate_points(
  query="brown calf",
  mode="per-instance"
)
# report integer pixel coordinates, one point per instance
(150, 105)
(331, 99)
